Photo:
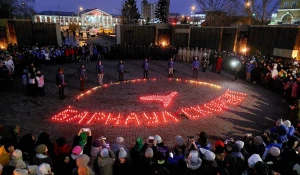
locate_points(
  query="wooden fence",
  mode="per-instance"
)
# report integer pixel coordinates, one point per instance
(266, 38)
(27, 33)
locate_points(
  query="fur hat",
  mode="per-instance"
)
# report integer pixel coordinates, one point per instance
(274, 151)
(41, 149)
(258, 140)
(20, 172)
(104, 152)
(43, 169)
(253, 159)
(279, 122)
(122, 153)
(149, 153)
(77, 150)
(119, 140)
(287, 123)
(16, 155)
(179, 140)
(82, 160)
(158, 138)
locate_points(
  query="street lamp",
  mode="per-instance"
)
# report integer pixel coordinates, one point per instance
(80, 9)
(193, 12)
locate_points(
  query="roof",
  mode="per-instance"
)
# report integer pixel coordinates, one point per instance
(57, 13)
(90, 10)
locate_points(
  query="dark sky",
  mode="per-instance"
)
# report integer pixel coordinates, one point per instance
(110, 6)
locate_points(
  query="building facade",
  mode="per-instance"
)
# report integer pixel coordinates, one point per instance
(148, 10)
(288, 13)
(88, 18)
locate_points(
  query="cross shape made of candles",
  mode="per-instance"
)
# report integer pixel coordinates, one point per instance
(165, 99)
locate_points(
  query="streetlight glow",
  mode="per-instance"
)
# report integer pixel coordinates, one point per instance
(193, 8)
(248, 4)
(80, 8)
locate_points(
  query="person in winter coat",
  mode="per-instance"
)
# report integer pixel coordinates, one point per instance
(40, 83)
(145, 67)
(17, 160)
(81, 161)
(82, 76)
(120, 68)
(61, 157)
(5, 152)
(41, 156)
(100, 72)
(171, 67)
(195, 67)
(193, 162)
(104, 162)
(84, 140)
(219, 64)
(60, 82)
(122, 165)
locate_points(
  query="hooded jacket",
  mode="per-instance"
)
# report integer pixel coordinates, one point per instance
(4, 156)
(104, 165)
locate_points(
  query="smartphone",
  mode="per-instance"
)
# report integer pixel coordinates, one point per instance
(191, 138)
(85, 129)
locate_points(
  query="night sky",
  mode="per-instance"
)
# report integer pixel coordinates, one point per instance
(110, 6)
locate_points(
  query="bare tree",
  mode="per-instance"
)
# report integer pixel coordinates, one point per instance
(257, 10)
(16, 8)
(217, 11)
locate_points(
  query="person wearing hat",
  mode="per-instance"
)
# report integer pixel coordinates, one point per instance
(44, 169)
(97, 145)
(179, 143)
(147, 161)
(61, 156)
(116, 147)
(100, 72)
(82, 161)
(193, 162)
(104, 162)
(160, 146)
(41, 156)
(17, 160)
(203, 141)
(135, 152)
(40, 83)
(145, 67)
(60, 82)
(21, 172)
(122, 164)
(84, 140)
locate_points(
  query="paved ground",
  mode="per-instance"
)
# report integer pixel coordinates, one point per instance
(259, 111)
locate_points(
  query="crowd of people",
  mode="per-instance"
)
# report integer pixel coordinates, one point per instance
(275, 152)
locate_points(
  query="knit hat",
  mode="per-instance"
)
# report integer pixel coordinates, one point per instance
(297, 168)
(230, 160)
(240, 144)
(261, 168)
(32, 169)
(279, 122)
(43, 169)
(122, 153)
(210, 156)
(274, 151)
(104, 152)
(258, 140)
(194, 156)
(20, 172)
(83, 170)
(158, 138)
(179, 140)
(41, 149)
(96, 143)
(119, 140)
(195, 161)
(219, 143)
(82, 160)
(149, 153)
(77, 150)
(287, 123)
(138, 144)
(82, 139)
(17, 154)
(253, 159)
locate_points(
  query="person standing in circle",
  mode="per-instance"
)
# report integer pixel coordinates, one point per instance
(195, 67)
(145, 66)
(60, 82)
(120, 68)
(171, 67)
(82, 76)
(100, 72)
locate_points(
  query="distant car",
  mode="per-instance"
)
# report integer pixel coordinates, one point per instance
(92, 33)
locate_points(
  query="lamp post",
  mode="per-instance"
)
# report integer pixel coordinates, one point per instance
(80, 9)
(193, 12)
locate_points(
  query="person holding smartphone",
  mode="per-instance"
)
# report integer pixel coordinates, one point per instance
(84, 140)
